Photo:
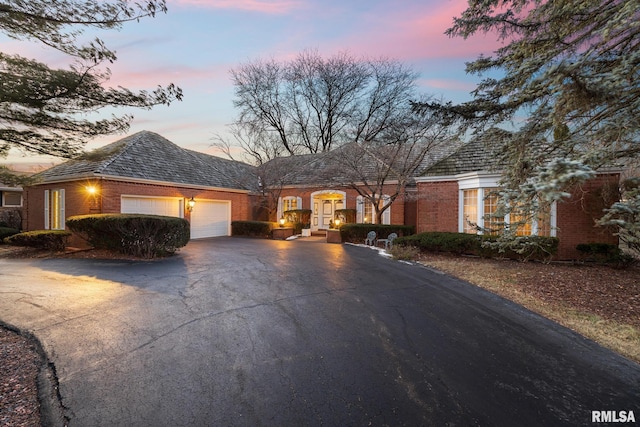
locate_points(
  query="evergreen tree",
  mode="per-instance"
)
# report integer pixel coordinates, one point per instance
(44, 110)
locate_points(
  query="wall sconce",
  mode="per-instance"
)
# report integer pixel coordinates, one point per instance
(91, 189)
(282, 222)
(190, 204)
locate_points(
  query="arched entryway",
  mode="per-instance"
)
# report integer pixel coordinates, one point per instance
(323, 206)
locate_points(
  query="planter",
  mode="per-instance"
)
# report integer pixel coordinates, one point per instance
(333, 236)
(306, 232)
(282, 233)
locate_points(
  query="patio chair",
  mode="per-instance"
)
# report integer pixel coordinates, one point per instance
(371, 238)
(388, 242)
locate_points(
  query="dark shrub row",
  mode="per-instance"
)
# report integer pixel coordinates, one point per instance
(7, 231)
(145, 236)
(605, 253)
(529, 247)
(54, 240)
(356, 233)
(252, 228)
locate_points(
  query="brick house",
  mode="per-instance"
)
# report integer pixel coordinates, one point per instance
(146, 173)
(143, 173)
(454, 194)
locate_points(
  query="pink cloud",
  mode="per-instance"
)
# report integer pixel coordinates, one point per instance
(447, 84)
(261, 6)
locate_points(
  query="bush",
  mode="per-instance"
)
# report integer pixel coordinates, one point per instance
(605, 253)
(54, 240)
(356, 233)
(145, 236)
(252, 228)
(525, 247)
(346, 216)
(7, 231)
(405, 253)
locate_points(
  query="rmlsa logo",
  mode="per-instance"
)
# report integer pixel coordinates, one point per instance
(613, 417)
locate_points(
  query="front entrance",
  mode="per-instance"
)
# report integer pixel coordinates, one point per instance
(323, 207)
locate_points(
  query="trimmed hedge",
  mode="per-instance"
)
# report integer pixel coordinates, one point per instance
(356, 233)
(145, 236)
(526, 247)
(252, 228)
(54, 240)
(6, 232)
(605, 253)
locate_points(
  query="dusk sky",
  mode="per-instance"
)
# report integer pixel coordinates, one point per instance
(198, 42)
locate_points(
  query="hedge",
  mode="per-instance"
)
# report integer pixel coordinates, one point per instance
(252, 228)
(525, 247)
(54, 240)
(7, 231)
(605, 253)
(145, 236)
(356, 233)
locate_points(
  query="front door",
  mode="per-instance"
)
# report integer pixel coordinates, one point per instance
(324, 211)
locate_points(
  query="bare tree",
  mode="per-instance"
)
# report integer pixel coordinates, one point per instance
(379, 170)
(312, 105)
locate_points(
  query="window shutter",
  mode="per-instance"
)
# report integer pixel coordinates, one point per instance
(299, 203)
(46, 209)
(359, 209)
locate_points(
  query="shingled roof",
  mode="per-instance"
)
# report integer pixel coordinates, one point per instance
(148, 156)
(473, 156)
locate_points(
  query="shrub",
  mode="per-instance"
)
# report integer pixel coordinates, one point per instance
(356, 233)
(252, 228)
(605, 253)
(7, 231)
(404, 252)
(54, 240)
(525, 247)
(346, 216)
(145, 236)
(298, 216)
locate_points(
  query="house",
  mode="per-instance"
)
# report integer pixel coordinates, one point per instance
(146, 173)
(455, 195)
(143, 173)
(10, 206)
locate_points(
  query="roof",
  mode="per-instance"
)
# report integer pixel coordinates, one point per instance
(321, 168)
(149, 156)
(473, 156)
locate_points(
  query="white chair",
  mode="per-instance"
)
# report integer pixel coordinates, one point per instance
(388, 242)
(371, 239)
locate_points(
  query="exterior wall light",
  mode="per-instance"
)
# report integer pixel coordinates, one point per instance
(282, 222)
(190, 204)
(91, 189)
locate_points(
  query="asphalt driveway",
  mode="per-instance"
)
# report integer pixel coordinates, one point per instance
(243, 332)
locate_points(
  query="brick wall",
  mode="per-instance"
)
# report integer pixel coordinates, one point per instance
(437, 206)
(576, 217)
(79, 202)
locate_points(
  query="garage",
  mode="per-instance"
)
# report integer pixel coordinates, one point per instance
(168, 206)
(210, 218)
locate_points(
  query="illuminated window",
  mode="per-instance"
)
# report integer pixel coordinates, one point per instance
(54, 209)
(491, 224)
(365, 214)
(470, 211)
(289, 203)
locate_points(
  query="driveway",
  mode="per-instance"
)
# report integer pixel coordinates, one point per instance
(250, 332)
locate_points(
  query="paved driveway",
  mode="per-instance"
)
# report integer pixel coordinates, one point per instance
(258, 332)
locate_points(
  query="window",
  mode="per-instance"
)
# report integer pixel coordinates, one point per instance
(365, 214)
(54, 209)
(472, 217)
(289, 204)
(11, 198)
(470, 211)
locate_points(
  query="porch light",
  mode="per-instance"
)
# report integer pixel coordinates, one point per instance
(91, 189)
(282, 222)
(337, 223)
(190, 204)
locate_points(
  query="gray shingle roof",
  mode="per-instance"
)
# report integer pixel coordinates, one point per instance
(473, 156)
(148, 156)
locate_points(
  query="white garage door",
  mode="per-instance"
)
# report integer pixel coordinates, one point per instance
(151, 205)
(210, 218)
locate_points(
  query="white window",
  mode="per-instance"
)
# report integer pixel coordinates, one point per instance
(54, 209)
(366, 214)
(11, 199)
(477, 206)
(288, 203)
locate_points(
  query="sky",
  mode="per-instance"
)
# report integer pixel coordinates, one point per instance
(197, 42)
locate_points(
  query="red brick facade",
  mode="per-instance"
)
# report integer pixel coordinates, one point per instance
(438, 210)
(78, 201)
